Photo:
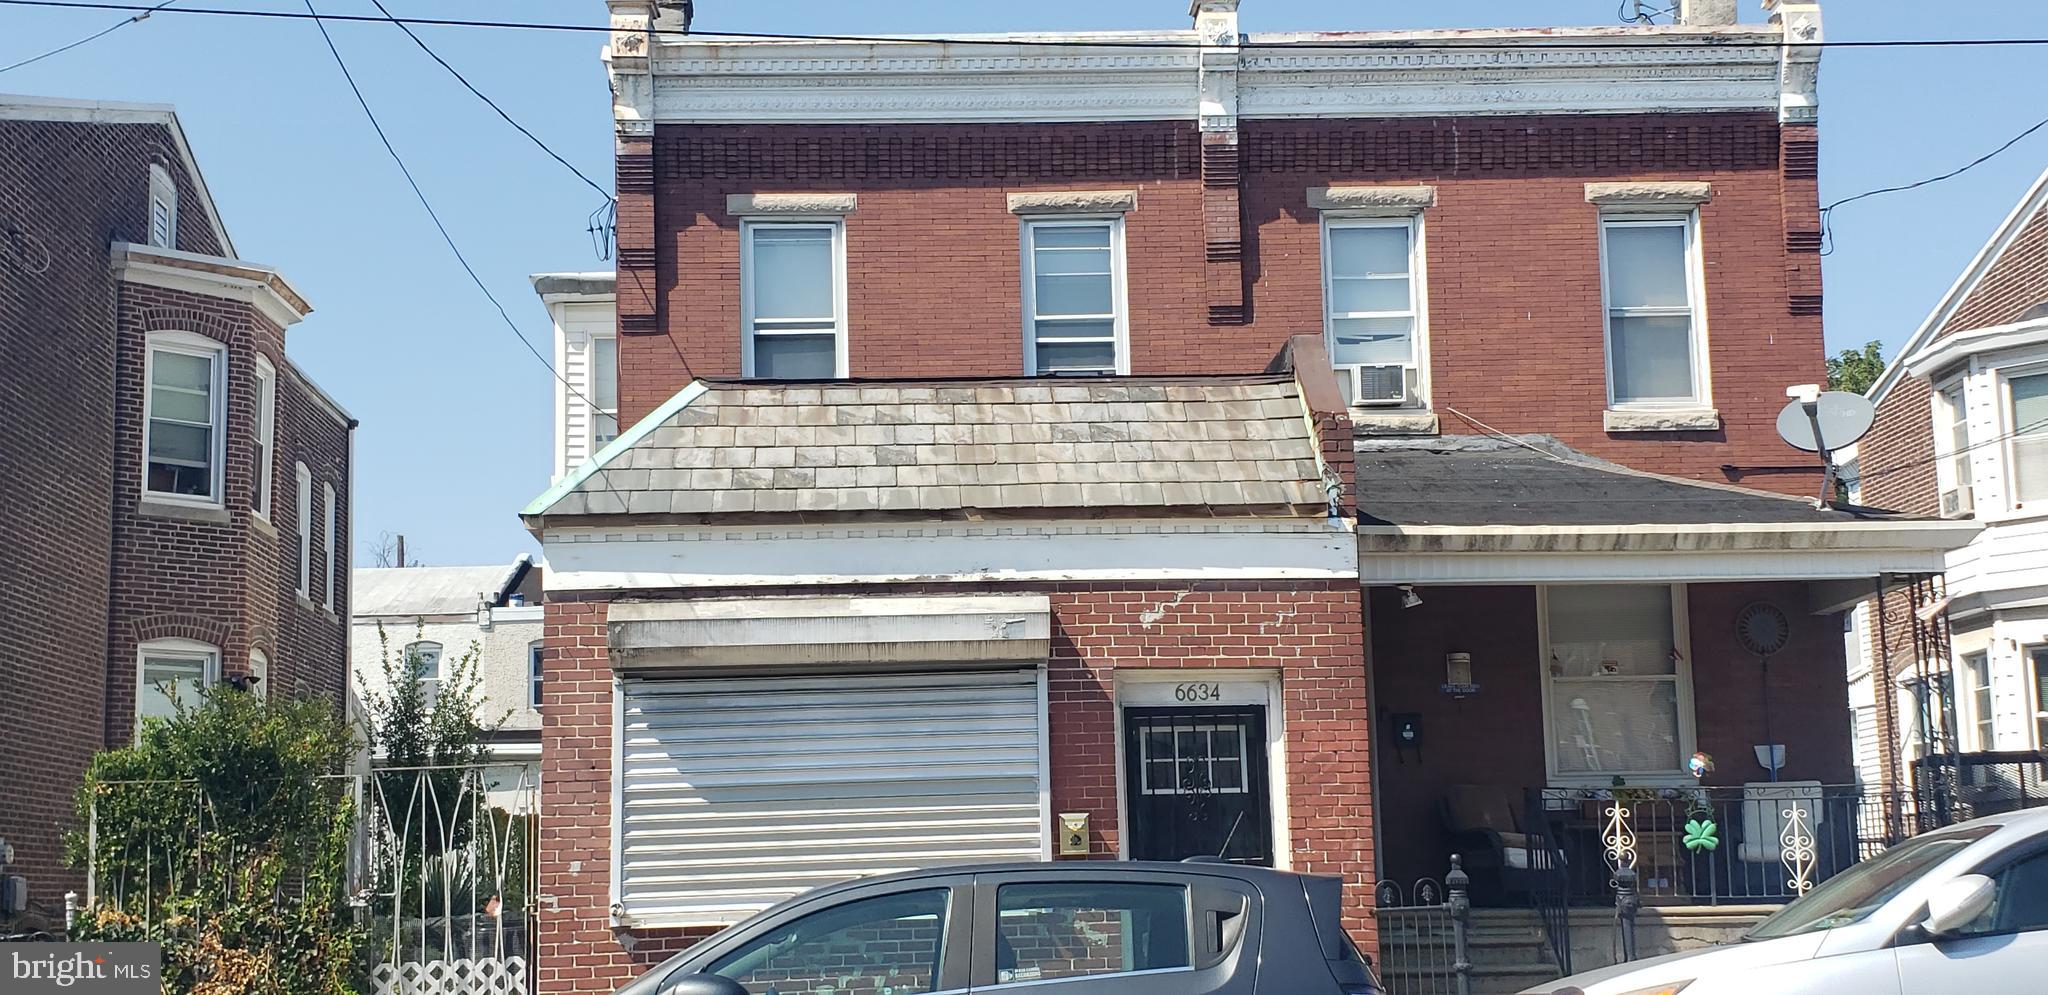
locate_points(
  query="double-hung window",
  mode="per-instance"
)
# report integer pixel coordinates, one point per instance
(265, 435)
(304, 479)
(2028, 395)
(2037, 658)
(185, 408)
(1952, 449)
(536, 653)
(1371, 312)
(1074, 315)
(1650, 278)
(1977, 668)
(604, 389)
(423, 664)
(793, 299)
(170, 674)
(163, 208)
(1616, 681)
(327, 545)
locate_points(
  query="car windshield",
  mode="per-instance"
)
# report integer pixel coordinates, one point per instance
(1851, 896)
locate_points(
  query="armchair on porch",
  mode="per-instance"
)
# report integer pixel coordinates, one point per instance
(1485, 826)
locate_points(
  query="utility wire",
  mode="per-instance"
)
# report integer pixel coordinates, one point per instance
(522, 129)
(1951, 454)
(95, 36)
(1611, 42)
(1827, 214)
(446, 237)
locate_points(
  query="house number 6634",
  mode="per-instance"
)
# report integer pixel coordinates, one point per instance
(1197, 692)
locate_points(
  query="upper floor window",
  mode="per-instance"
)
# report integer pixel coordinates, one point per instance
(1977, 674)
(2037, 656)
(1952, 449)
(1074, 315)
(1650, 279)
(793, 299)
(163, 208)
(327, 547)
(1618, 690)
(304, 479)
(266, 431)
(170, 673)
(1371, 307)
(534, 655)
(604, 389)
(184, 409)
(423, 664)
(2029, 396)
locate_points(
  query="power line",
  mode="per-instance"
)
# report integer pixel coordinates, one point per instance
(1951, 454)
(446, 237)
(95, 36)
(535, 139)
(1827, 214)
(1734, 42)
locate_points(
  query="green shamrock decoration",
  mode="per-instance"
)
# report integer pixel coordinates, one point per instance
(1700, 835)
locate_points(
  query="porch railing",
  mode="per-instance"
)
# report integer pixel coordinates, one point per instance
(1755, 844)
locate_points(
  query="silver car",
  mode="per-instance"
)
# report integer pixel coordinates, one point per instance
(1963, 909)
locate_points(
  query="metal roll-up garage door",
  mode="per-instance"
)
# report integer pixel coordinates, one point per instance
(737, 793)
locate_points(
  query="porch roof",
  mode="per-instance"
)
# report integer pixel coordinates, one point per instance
(818, 451)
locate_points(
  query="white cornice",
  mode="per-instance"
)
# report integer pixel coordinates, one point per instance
(213, 276)
(1946, 352)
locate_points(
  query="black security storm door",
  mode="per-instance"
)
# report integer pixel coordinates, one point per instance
(1195, 784)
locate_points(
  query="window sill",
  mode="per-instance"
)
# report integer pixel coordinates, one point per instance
(263, 525)
(1661, 419)
(211, 514)
(1380, 421)
(305, 602)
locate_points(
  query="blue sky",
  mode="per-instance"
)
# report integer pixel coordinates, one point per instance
(456, 429)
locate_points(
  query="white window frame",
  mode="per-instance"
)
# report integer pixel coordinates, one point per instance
(163, 193)
(259, 672)
(265, 435)
(1681, 677)
(1418, 297)
(207, 654)
(536, 671)
(432, 681)
(1027, 265)
(216, 353)
(593, 412)
(327, 544)
(304, 499)
(837, 226)
(2010, 428)
(1695, 287)
(2037, 709)
(1974, 696)
(1951, 431)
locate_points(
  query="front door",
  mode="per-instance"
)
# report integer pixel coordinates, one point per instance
(1195, 784)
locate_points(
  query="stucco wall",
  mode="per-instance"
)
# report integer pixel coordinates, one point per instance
(502, 659)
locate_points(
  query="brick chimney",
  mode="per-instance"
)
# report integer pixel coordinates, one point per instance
(1706, 13)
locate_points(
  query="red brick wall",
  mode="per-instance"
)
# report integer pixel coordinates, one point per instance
(66, 192)
(933, 268)
(2016, 282)
(1310, 633)
(1497, 737)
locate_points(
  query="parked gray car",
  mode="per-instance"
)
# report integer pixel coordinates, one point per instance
(1963, 909)
(1070, 928)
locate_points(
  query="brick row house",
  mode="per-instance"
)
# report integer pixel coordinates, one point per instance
(1961, 667)
(1328, 450)
(179, 505)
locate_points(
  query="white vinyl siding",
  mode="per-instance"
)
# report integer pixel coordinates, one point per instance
(1371, 289)
(586, 396)
(265, 435)
(1650, 282)
(304, 479)
(163, 209)
(1618, 690)
(736, 793)
(2028, 396)
(793, 300)
(1075, 321)
(185, 407)
(327, 545)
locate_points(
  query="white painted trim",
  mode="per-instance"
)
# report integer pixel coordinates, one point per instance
(1046, 816)
(303, 477)
(1696, 289)
(1027, 266)
(616, 770)
(1271, 696)
(266, 436)
(841, 328)
(216, 353)
(162, 190)
(1681, 641)
(634, 558)
(207, 654)
(1944, 354)
(1919, 535)
(1966, 283)
(1623, 568)
(259, 286)
(1418, 304)
(334, 567)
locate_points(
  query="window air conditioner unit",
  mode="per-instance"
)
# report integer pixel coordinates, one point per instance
(1382, 384)
(1957, 502)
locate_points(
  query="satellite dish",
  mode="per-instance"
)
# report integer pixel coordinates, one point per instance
(1838, 418)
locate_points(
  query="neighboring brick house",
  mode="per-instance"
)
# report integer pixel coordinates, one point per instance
(178, 504)
(904, 409)
(1962, 433)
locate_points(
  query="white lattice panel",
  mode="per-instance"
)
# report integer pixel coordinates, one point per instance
(483, 976)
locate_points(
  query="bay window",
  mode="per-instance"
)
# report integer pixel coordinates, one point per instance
(792, 300)
(184, 408)
(1617, 685)
(1371, 307)
(1650, 280)
(1952, 449)
(2029, 399)
(1074, 320)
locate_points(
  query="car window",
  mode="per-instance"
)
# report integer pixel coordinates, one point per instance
(1851, 896)
(2021, 904)
(887, 945)
(1049, 931)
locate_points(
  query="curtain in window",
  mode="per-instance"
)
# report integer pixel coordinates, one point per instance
(1614, 680)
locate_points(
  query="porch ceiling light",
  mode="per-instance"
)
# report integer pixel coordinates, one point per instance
(1410, 599)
